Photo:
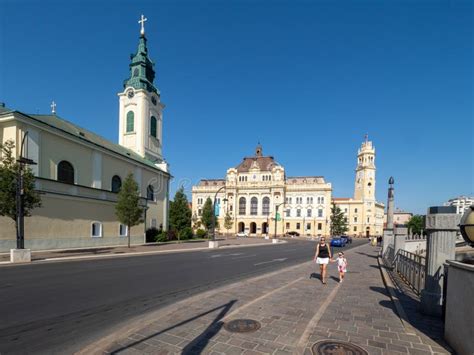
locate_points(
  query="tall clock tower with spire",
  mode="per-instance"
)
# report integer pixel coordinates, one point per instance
(140, 112)
(364, 188)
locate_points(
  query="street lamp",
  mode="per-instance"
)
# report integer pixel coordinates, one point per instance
(213, 225)
(276, 217)
(20, 192)
(467, 226)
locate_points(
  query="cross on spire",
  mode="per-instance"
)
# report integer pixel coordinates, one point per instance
(53, 107)
(142, 22)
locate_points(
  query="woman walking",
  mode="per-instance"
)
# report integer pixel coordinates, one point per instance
(322, 257)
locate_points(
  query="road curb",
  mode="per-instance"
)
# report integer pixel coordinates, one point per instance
(393, 296)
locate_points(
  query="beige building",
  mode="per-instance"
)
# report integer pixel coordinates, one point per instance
(80, 173)
(399, 217)
(363, 213)
(257, 188)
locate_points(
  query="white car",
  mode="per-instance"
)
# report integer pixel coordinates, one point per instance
(242, 235)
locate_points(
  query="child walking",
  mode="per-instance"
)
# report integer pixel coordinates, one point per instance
(341, 265)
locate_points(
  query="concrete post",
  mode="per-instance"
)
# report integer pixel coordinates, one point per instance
(441, 225)
(400, 234)
(388, 231)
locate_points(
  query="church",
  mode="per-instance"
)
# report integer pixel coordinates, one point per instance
(262, 200)
(79, 173)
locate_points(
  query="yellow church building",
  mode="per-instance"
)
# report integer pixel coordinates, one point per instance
(79, 173)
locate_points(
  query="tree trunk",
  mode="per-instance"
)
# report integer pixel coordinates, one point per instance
(128, 235)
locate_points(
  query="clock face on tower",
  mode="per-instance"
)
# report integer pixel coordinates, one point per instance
(130, 94)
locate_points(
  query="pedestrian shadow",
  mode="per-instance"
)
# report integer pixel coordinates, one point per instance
(334, 278)
(198, 344)
(315, 276)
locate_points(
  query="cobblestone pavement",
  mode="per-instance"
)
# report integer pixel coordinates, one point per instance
(295, 311)
(42, 255)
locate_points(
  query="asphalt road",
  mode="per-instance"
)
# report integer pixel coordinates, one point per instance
(59, 307)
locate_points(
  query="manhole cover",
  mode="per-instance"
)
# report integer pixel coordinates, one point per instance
(242, 326)
(335, 347)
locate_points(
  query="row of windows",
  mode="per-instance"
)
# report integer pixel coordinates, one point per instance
(308, 226)
(254, 206)
(65, 174)
(345, 210)
(242, 178)
(309, 212)
(309, 200)
(131, 124)
(97, 230)
(266, 177)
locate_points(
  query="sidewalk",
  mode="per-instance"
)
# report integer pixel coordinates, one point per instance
(136, 249)
(294, 309)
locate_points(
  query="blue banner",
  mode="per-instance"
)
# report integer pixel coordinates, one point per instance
(217, 207)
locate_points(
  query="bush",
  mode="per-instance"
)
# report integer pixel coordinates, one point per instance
(201, 233)
(161, 237)
(151, 234)
(172, 235)
(186, 233)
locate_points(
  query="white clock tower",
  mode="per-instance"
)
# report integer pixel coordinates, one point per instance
(140, 112)
(365, 172)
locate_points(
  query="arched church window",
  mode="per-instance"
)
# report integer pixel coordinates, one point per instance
(150, 193)
(130, 121)
(253, 206)
(266, 206)
(153, 126)
(66, 172)
(242, 206)
(116, 183)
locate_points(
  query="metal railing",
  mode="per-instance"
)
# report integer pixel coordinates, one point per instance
(389, 257)
(411, 267)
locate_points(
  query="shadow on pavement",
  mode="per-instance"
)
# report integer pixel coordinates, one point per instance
(199, 343)
(369, 255)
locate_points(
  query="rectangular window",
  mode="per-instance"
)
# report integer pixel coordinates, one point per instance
(368, 219)
(320, 212)
(298, 225)
(287, 225)
(345, 210)
(123, 230)
(320, 226)
(288, 213)
(199, 212)
(355, 229)
(308, 226)
(153, 222)
(355, 211)
(355, 219)
(309, 212)
(298, 213)
(96, 229)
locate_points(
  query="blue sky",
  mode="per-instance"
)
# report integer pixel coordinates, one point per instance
(307, 79)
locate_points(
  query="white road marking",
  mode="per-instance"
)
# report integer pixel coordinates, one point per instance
(245, 256)
(271, 261)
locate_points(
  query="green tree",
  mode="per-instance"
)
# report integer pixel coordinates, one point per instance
(228, 222)
(180, 213)
(415, 224)
(128, 209)
(338, 221)
(195, 221)
(9, 171)
(207, 214)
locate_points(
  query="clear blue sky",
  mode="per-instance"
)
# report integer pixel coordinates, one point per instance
(305, 78)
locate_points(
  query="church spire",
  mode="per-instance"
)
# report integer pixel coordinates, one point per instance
(142, 72)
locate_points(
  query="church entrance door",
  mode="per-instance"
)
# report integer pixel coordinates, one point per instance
(264, 228)
(241, 227)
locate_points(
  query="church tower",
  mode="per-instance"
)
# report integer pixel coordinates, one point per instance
(365, 172)
(140, 112)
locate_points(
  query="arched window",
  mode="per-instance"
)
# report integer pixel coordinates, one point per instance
(150, 193)
(153, 126)
(253, 206)
(135, 72)
(266, 206)
(116, 183)
(242, 206)
(66, 172)
(130, 121)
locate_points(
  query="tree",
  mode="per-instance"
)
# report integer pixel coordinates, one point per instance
(128, 209)
(207, 214)
(338, 221)
(9, 172)
(195, 221)
(180, 213)
(415, 224)
(228, 222)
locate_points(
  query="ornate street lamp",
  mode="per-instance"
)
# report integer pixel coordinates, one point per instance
(213, 225)
(467, 226)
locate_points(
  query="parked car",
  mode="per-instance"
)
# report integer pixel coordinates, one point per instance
(338, 242)
(293, 234)
(347, 238)
(242, 235)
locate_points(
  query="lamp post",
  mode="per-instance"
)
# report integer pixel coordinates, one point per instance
(276, 217)
(467, 226)
(212, 242)
(20, 192)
